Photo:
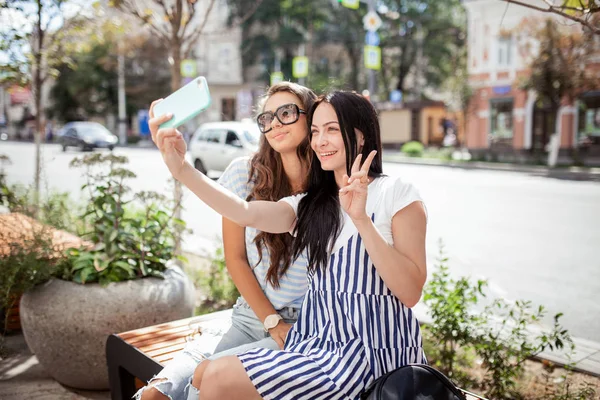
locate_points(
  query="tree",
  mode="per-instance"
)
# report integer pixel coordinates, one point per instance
(459, 87)
(290, 22)
(434, 28)
(177, 25)
(33, 49)
(87, 85)
(584, 12)
(345, 26)
(559, 69)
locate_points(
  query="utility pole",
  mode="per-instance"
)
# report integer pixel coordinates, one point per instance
(372, 77)
(418, 76)
(302, 53)
(122, 111)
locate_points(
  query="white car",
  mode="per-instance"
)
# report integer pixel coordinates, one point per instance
(215, 144)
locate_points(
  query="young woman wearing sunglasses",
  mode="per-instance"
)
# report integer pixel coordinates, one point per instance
(272, 282)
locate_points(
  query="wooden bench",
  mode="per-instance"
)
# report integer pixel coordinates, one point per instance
(134, 357)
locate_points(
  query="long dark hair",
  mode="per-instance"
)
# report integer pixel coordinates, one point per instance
(319, 214)
(271, 184)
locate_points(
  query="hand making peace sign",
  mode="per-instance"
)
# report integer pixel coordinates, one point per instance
(353, 194)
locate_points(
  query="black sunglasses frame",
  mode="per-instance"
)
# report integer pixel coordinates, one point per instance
(274, 115)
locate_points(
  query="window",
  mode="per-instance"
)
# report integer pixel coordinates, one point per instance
(501, 129)
(232, 138)
(589, 115)
(201, 136)
(213, 136)
(505, 51)
(252, 135)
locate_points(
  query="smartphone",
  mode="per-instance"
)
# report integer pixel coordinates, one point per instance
(185, 103)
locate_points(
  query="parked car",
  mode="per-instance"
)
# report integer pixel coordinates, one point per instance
(86, 136)
(215, 144)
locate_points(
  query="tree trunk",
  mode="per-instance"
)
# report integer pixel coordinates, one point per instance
(176, 84)
(354, 60)
(37, 93)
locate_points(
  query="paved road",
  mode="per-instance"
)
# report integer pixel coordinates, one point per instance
(533, 237)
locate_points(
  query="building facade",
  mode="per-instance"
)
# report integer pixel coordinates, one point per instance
(504, 121)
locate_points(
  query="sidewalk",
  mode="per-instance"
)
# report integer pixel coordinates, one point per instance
(22, 377)
(571, 173)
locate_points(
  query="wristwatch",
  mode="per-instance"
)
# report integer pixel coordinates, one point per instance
(271, 321)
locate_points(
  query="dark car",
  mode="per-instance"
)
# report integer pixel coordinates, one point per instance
(86, 136)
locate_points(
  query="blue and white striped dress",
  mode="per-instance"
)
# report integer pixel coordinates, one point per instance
(351, 328)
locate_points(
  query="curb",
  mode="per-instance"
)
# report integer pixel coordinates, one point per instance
(592, 173)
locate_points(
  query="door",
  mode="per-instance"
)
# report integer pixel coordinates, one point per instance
(544, 125)
(213, 152)
(233, 149)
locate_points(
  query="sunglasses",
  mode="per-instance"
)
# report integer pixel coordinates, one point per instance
(287, 114)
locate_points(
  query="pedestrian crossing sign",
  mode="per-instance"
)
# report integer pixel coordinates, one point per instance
(276, 77)
(372, 55)
(300, 67)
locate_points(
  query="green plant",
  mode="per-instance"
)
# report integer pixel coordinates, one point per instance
(27, 258)
(503, 348)
(56, 209)
(500, 335)
(454, 322)
(221, 291)
(132, 236)
(413, 149)
(6, 193)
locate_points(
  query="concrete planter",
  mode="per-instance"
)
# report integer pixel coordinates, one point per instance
(66, 324)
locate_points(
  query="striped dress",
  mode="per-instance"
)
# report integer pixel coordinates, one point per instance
(351, 328)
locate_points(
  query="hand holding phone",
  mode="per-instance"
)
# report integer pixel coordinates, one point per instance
(169, 141)
(185, 103)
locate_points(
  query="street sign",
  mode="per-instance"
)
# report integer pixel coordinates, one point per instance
(300, 67)
(371, 21)
(372, 57)
(396, 96)
(353, 4)
(276, 77)
(372, 38)
(188, 68)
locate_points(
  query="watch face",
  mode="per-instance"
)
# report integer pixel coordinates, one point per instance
(271, 321)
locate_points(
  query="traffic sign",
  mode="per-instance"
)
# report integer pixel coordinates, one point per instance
(276, 77)
(188, 68)
(300, 67)
(371, 21)
(372, 38)
(353, 4)
(396, 96)
(372, 57)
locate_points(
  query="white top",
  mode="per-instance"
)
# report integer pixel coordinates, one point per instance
(387, 195)
(293, 285)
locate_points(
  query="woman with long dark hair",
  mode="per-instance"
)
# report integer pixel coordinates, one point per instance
(271, 281)
(364, 234)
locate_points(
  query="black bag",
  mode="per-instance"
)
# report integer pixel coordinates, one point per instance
(413, 382)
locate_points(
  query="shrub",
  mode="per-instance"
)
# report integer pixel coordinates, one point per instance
(451, 303)
(132, 236)
(413, 149)
(500, 335)
(221, 292)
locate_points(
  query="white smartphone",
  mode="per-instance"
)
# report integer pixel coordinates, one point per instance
(185, 103)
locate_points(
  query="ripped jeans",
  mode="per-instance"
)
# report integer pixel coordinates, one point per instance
(246, 333)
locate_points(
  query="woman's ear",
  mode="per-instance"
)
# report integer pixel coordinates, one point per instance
(360, 138)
